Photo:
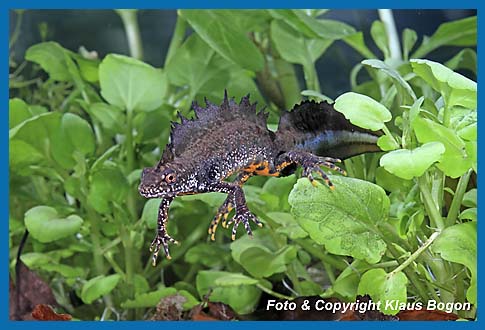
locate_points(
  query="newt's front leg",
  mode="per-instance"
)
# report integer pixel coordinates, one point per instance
(311, 163)
(162, 238)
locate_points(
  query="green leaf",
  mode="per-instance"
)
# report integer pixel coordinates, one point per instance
(362, 110)
(207, 254)
(469, 214)
(312, 27)
(471, 150)
(104, 157)
(197, 66)
(150, 212)
(88, 68)
(288, 225)
(98, 286)
(131, 84)
(110, 117)
(79, 133)
(461, 32)
(455, 160)
(18, 111)
(465, 59)
(455, 88)
(72, 139)
(45, 224)
(224, 38)
(458, 243)
(262, 256)
(35, 260)
(470, 198)
(386, 143)
(469, 132)
(107, 185)
(346, 284)
(316, 95)
(36, 131)
(21, 155)
(304, 51)
(235, 280)
(356, 41)
(408, 164)
(403, 87)
(343, 220)
(391, 182)
(409, 38)
(152, 299)
(294, 20)
(385, 287)
(246, 20)
(50, 56)
(378, 33)
(242, 298)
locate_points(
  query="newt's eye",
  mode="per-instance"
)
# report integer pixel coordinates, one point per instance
(170, 177)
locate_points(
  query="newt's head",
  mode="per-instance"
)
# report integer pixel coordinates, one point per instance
(167, 178)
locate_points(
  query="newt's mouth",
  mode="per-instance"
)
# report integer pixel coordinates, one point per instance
(152, 191)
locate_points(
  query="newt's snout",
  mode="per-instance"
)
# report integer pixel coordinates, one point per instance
(150, 186)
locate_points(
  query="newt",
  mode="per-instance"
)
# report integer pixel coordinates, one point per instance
(233, 139)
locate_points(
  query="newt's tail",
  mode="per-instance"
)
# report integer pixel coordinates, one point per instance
(318, 128)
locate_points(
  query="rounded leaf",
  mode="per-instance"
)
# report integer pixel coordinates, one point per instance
(131, 84)
(45, 224)
(242, 298)
(390, 289)
(98, 286)
(456, 159)
(343, 219)
(221, 35)
(408, 164)
(458, 243)
(79, 133)
(455, 88)
(363, 111)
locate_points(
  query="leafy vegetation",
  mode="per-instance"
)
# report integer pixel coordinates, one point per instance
(401, 226)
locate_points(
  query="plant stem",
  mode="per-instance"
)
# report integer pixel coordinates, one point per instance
(128, 247)
(385, 264)
(416, 253)
(290, 270)
(311, 78)
(130, 159)
(273, 293)
(458, 198)
(387, 18)
(429, 204)
(388, 133)
(16, 31)
(177, 38)
(411, 275)
(97, 254)
(132, 30)
(288, 82)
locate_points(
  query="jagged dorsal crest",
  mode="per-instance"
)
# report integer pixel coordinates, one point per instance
(210, 116)
(311, 116)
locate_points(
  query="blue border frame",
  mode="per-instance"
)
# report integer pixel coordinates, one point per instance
(5, 6)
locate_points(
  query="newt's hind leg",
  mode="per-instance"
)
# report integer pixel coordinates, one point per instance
(311, 163)
(236, 200)
(227, 207)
